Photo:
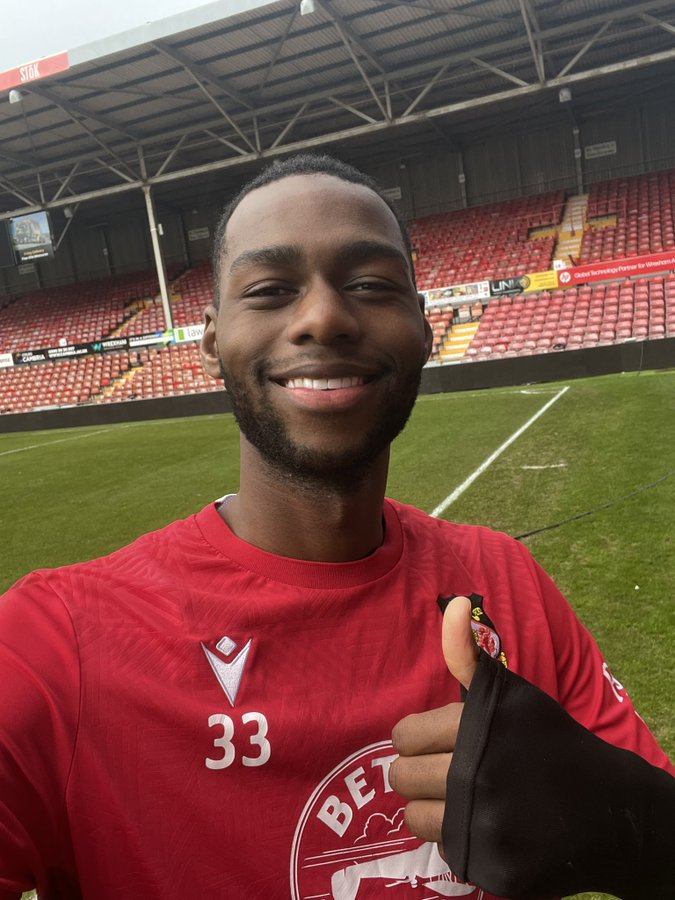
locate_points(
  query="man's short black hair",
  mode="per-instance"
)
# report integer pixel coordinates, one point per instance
(300, 164)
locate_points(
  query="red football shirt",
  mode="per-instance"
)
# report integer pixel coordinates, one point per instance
(193, 717)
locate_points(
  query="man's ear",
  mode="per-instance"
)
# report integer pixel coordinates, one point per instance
(209, 346)
(428, 334)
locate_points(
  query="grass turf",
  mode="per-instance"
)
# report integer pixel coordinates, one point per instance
(72, 494)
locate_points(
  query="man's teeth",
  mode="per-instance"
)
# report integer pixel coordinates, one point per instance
(323, 384)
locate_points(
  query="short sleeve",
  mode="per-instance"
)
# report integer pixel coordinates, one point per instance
(587, 689)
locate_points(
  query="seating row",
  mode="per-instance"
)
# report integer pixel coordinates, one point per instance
(111, 378)
(585, 317)
(643, 206)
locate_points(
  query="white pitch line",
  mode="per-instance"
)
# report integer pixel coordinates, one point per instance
(549, 466)
(450, 499)
(75, 437)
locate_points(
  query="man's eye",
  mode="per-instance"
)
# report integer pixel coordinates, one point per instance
(267, 294)
(267, 290)
(370, 286)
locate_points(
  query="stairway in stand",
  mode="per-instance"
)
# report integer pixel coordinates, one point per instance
(457, 342)
(571, 232)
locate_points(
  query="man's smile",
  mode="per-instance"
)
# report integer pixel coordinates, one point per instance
(322, 384)
(336, 393)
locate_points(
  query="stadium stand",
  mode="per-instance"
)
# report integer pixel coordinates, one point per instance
(577, 318)
(638, 214)
(485, 242)
(65, 382)
(194, 292)
(76, 313)
(488, 242)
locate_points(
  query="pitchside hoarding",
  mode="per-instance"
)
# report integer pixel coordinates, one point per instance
(628, 267)
(49, 354)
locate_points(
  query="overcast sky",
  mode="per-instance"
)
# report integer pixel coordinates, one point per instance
(39, 28)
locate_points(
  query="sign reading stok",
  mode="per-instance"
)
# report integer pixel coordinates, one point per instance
(32, 71)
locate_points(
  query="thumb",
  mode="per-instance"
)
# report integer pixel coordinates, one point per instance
(459, 647)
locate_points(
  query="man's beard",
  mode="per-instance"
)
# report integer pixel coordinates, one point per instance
(339, 471)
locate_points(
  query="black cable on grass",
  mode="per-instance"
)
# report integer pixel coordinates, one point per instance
(590, 512)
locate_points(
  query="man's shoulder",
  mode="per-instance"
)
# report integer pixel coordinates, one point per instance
(416, 522)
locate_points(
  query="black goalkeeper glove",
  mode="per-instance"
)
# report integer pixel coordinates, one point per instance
(537, 806)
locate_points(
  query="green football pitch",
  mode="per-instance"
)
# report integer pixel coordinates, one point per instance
(598, 463)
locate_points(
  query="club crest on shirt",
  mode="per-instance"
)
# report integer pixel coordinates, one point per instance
(351, 842)
(484, 632)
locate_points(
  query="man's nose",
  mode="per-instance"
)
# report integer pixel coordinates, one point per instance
(323, 315)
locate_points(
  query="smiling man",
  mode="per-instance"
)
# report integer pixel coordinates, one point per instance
(209, 711)
(320, 338)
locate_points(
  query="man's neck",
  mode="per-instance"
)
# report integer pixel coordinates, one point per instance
(304, 521)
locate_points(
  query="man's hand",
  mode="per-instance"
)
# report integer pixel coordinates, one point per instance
(425, 741)
(537, 805)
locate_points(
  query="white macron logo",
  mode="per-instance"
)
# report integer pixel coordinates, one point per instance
(229, 674)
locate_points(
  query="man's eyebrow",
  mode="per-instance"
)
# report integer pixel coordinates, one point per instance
(367, 251)
(281, 254)
(292, 254)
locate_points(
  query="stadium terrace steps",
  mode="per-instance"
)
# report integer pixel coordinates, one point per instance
(119, 382)
(571, 234)
(457, 342)
(196, 289)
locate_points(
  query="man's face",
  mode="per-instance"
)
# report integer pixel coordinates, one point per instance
(319, 336)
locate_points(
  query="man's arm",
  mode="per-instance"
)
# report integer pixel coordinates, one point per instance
(39, 698)
(533, 805)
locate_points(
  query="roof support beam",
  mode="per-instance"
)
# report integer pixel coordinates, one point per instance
(360, 68)
(650, 20)
(448, 12)
(11, 188)
(497, 71)
(115, 170)
(535, 43)
(72, 115)
(66, 181)
(366, 128)
(289, 126)
(441, 72)
(17, 160)
(222, 140)
(221, 109)
(353, 110)
(279, 47)
(75, 110)
(199, 71)
(387, 99)
(173, 152)
(356, 40)
(573, 26)
(484, 51)
(575, 59)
